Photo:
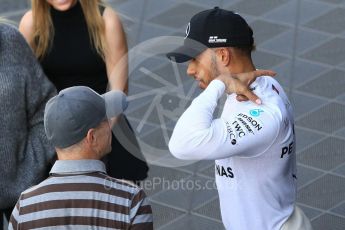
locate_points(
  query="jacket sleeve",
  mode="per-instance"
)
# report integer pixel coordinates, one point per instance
(198, 136)
(141, 212)
(38, 90)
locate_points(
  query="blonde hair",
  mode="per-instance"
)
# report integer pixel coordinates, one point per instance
(44, 30)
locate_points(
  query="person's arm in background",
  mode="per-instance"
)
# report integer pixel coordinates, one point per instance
(26, 27)
(26, 92)
(116, 54)
(141, 212)
(38, 91)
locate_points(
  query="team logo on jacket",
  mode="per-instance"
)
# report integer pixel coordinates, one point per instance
(245, 119)
(287, 150)
(256, 112)
(224, 171)
(231, 133)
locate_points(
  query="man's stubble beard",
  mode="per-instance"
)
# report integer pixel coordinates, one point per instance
(214, 67)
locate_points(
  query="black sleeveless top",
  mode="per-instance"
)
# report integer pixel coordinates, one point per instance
(72, 60)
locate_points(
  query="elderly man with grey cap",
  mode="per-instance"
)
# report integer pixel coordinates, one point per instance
(79, 194)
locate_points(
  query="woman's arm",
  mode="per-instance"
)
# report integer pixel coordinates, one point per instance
(26, 27)
(116, 53)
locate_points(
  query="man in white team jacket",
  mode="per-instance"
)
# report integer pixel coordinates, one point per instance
(253, 144)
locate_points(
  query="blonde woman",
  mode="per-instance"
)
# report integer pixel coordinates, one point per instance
(82, 42)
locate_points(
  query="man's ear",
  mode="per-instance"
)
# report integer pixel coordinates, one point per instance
(224, 55)
(90, 136)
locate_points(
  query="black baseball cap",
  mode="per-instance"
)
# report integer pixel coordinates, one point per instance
(210, 29)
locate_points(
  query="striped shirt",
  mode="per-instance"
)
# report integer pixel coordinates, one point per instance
(79, 195)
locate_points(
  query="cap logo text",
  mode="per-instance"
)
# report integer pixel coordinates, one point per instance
(215, 39)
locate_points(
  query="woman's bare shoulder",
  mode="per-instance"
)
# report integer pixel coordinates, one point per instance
(111, 17)
(26, 25)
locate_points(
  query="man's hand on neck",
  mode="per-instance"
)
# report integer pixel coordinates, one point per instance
(239, 83)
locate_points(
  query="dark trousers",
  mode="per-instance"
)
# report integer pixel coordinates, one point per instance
(7, 213)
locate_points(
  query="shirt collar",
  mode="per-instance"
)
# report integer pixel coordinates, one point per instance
(77, 167)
